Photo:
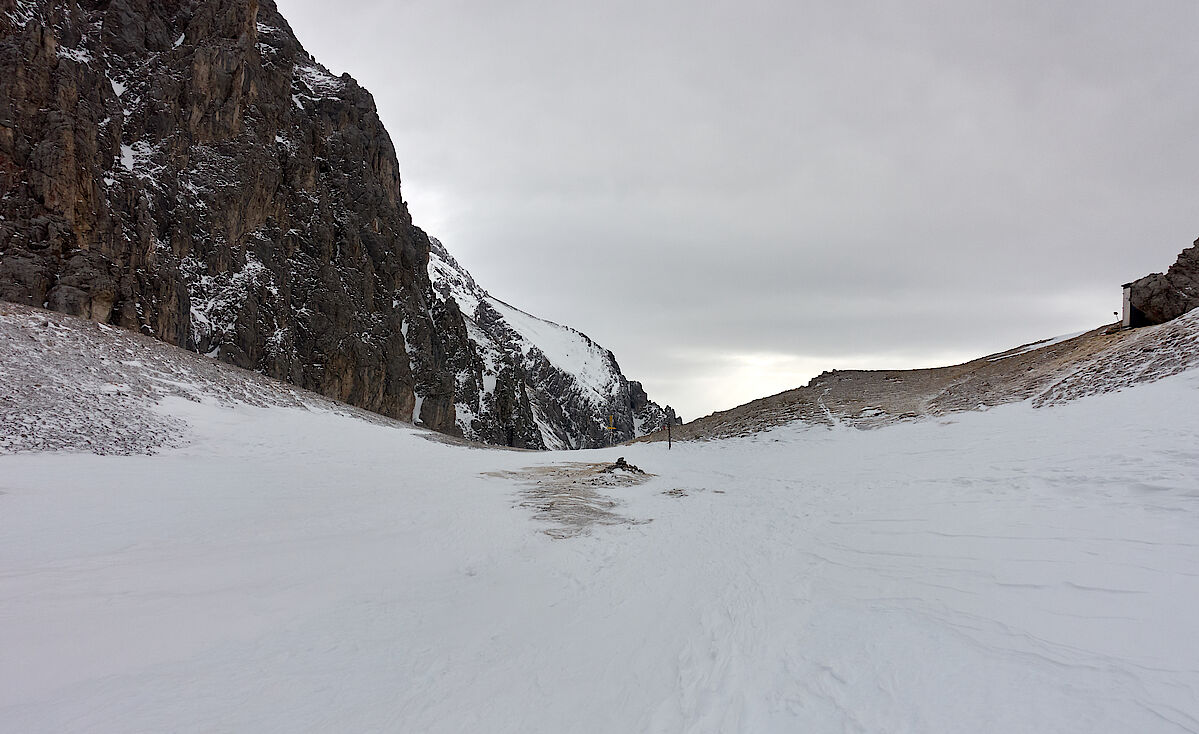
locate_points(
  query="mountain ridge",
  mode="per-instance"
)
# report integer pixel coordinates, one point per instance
(1045, 372)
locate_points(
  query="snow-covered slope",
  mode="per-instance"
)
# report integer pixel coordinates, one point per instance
(285, 568)
(529, 368)
(591, 366)
(68, 384)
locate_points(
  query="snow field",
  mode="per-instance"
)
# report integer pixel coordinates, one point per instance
(1012, 570)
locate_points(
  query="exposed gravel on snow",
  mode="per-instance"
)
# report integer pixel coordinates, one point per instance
(1145, 355)
(574, 496)
(73, 385)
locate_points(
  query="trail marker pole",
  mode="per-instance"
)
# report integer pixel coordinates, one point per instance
(610, 427)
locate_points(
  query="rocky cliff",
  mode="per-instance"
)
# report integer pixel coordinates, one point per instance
(187, 170)
(536, 383)
(1159, 297)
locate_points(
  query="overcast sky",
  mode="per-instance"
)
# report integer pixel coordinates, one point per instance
(735, 196)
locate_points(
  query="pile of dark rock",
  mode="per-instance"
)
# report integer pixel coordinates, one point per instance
(1160, 297)
(622, 465)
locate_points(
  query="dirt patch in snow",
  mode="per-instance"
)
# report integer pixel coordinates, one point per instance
(570, 497)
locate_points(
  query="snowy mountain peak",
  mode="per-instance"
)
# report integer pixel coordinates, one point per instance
(535, 383)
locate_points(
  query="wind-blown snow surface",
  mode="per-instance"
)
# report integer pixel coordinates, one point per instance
(1012, 570)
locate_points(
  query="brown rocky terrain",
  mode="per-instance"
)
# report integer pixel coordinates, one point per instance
(1045, 373)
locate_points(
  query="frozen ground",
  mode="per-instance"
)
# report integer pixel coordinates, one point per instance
(290, 568)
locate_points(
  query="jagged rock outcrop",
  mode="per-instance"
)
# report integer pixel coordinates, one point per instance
(186, 170)
(1157, 298)
(535, 383)
(649, 416)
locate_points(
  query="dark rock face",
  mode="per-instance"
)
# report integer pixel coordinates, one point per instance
(1158, 298)
(186, 170)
